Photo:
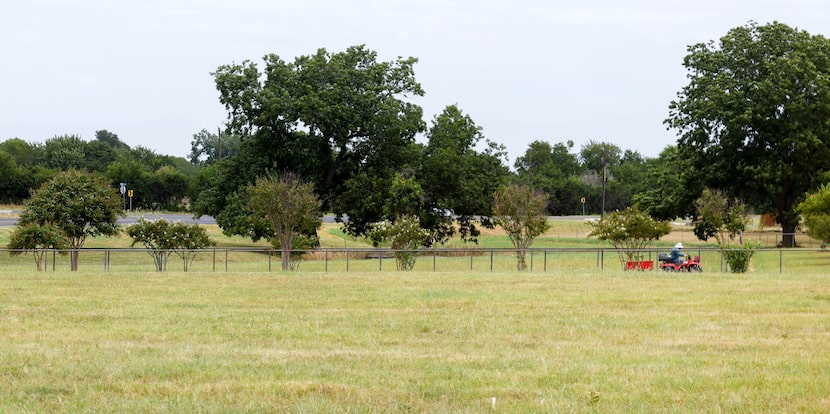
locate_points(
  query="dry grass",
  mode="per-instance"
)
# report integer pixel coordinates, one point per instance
(422, 342)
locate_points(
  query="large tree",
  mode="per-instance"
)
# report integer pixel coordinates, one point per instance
(598, 158)
(208, 148)
(671, 184)
(457, 178)
(555, 170)
(755, 116)
(111, 139)
(331, 118)
(65, 152)
(80, 204)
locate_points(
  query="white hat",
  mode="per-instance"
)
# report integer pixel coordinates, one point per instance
(679, 245)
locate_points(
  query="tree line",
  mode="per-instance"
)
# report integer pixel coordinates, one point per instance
(753, 122)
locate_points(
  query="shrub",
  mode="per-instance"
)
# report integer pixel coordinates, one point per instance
(738, 256)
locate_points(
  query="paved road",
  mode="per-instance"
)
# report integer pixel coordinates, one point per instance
(133, 218)
(129, 219)
(188, 218)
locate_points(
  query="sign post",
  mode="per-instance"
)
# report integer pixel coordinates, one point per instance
(123, 190)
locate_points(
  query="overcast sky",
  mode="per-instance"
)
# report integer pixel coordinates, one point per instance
(523, 70)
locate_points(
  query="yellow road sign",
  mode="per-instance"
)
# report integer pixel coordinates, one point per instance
(130, 193)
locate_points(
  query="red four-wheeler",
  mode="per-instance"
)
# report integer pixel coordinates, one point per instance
(688, 265)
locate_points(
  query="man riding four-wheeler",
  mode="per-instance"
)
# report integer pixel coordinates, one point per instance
(674, 262)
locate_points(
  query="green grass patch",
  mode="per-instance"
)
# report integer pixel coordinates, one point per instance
(421, 341)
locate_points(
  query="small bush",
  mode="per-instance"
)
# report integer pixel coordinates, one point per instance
(738, 256)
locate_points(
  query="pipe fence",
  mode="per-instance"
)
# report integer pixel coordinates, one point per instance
(225, 260)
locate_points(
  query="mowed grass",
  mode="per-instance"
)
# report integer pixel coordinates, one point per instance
(421, 341)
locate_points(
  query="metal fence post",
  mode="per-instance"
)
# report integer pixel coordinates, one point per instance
(531, 260)
(602, 260)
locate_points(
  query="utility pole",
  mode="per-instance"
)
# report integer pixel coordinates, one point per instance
(219, 138)
(604, 168)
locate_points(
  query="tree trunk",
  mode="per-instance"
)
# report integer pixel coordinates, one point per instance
(788, 233)
(521, 263)
(341, 156)
(73, 259)
(285, 253)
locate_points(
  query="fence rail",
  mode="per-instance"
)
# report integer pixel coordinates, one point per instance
(368, 260)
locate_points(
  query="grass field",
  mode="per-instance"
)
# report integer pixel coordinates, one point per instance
(565, 337)
(414, 342)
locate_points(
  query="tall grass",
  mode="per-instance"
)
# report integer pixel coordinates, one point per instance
(419, 341)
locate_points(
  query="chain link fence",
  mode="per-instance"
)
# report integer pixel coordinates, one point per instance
(220, 260)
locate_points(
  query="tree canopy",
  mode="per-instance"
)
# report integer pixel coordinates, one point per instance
(816, 212)
(80, 204)
(36, 239)
(339, 120)
(754, 119)
(520, 211)
(290, 207)
(630, 231)
(162, 238)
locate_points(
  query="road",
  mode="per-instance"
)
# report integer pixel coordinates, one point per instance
(8, 218)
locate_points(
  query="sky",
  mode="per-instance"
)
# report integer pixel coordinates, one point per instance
(523, 70)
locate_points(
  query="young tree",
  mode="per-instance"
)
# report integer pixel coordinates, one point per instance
(754, 117)
(162, 238)
(723, 219)
(402, 235)
(80, 204)
(719, 217)
(190, 240)
(630, 231)
(37, 239)
(402, 228)
(290, 206)
(520, 211)
(157, 238)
